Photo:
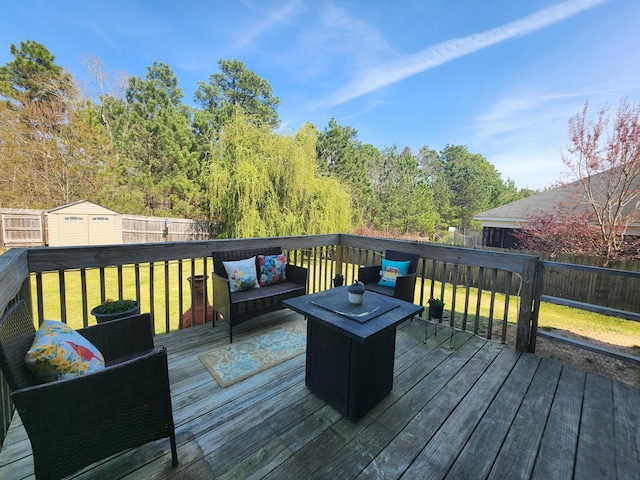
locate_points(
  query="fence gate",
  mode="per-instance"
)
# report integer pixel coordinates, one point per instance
(21, 229)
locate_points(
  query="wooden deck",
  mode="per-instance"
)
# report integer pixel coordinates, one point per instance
(474, 411)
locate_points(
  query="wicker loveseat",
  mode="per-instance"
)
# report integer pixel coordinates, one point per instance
(404, 284)
(240, 306)
(74, 422)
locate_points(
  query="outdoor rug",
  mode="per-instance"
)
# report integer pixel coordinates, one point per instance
(240, 360)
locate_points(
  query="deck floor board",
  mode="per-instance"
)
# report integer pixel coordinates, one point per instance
(461, 407)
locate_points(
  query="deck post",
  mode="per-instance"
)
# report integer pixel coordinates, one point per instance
(340, 259)
(527, 295)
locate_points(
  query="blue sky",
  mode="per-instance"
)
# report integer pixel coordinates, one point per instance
(500, 76)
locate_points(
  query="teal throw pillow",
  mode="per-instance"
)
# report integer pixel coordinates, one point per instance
(391, 270)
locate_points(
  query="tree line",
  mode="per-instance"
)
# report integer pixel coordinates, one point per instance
(136, 147)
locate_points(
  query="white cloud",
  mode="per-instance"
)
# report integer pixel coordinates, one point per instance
(373, 78)
(530, 168)
(279, 16)
(524, 136)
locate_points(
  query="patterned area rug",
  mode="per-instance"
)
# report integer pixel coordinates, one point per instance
(240, 360)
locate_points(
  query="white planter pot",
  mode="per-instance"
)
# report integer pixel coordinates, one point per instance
(355, 298)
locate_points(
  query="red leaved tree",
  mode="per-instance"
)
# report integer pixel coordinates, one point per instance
(603, 187)
(565, 232)
(604, 169)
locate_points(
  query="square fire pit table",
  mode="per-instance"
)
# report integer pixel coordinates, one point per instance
(351, 348)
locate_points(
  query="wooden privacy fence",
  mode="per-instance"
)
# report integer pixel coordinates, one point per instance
(139, 229)
(20, 228)
(601, 286)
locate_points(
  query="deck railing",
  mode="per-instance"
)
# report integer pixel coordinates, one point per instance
(157, 275)
(494, 294)
(606, 278)
(66, 282)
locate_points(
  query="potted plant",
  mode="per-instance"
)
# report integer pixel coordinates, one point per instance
(436, 308)
(338, 280)
(112, 309)
(356, 293)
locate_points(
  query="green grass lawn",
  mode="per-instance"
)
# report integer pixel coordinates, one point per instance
(558, 318)
(73, 292)
(613, 330)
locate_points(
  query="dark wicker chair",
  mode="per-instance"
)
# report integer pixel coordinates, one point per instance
(73, 423)
(241, 306)
(405, 284)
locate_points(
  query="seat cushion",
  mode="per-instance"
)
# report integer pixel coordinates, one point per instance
(376, 287)
(284, 289)
(60, 352)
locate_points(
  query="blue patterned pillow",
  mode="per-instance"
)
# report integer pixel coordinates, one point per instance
(391, 270)
(242, 274)
(60, 352)
(273, 269)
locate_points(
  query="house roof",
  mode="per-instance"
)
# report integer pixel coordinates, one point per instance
(514, 214)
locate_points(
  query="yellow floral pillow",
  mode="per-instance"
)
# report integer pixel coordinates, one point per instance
(60, 352)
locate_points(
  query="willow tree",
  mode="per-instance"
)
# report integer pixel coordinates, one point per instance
(265, 184)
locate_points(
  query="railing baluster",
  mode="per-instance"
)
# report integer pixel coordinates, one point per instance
(443, 280)
(433, 279)
(454, 287)
(205, 272)
(192, 303)
(120, 283)
(138, 287)
(332, 267)
(421, 270)
(505, 318)
(167, 315)
(322, 277)
(63, 296)
(476, 324)
(180, 294)
(328, 267)
(152, 302)
(467, 291)
(85, 303)
(103, 292)
(494, 281)
(40, 298)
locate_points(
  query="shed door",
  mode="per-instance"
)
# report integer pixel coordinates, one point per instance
(74, 230)
(100, 230)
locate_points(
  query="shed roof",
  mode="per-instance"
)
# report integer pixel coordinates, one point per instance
(94, 206)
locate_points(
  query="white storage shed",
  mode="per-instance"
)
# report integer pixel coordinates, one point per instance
(83, 223)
